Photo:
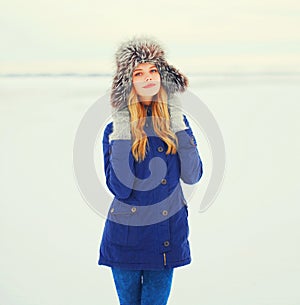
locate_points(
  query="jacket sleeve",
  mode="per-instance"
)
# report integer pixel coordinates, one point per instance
(191, 168)
(118, 164)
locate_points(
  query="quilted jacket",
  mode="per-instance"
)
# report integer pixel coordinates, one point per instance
(147, 223)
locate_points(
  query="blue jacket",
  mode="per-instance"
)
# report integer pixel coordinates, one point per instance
(147, 222)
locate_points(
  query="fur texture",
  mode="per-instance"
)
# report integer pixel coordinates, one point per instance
(140, 50)
(121, 125)
(176, 115)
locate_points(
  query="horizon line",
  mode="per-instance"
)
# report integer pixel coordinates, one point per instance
(91, 74)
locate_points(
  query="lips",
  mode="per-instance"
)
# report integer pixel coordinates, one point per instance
(149, 85)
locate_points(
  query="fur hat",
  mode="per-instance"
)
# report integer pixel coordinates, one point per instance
(140, 50)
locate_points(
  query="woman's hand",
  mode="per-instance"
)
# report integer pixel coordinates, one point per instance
(121, 124)
(176, 114)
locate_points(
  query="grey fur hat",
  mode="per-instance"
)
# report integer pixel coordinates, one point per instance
(140, 50)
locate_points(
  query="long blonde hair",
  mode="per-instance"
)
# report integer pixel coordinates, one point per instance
(160, 121)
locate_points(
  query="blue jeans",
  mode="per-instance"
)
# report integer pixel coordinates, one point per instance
(143, 287)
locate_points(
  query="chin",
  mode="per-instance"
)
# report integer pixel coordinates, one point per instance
(149, 92)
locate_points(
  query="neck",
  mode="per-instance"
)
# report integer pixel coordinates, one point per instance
(146, 103)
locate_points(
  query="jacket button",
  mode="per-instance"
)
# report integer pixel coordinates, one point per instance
(112, 210)
(147, 124)
(193, 142)
(166, 243)
(165, 212)
(160, 149)
(164, 181)
(133, 209)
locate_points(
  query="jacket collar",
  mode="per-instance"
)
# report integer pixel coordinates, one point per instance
(148, 109)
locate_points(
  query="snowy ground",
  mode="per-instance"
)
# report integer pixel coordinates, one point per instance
(245, 247)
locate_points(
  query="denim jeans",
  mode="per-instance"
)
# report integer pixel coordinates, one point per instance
(143, 287)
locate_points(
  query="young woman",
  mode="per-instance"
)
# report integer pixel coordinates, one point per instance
(148, 149)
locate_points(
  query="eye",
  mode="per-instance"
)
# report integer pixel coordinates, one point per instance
(155, 70)
(138, 74)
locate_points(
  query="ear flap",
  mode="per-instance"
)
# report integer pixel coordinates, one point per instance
(172, 80)
(121, 87)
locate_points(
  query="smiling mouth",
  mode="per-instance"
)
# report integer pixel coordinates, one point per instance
(149, 86)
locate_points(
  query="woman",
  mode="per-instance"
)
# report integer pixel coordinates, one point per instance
(148, 147)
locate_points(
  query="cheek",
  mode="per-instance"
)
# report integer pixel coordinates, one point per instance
(138, 85)
(158, 79)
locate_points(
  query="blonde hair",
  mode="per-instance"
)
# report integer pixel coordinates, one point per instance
(160, 121)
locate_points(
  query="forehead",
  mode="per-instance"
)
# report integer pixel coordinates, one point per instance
(144, 66)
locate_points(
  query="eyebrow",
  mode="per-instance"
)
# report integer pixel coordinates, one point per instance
(142, 69)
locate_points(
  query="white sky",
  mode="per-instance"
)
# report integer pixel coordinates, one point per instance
(199, 36)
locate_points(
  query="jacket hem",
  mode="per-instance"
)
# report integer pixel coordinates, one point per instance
(143, 266)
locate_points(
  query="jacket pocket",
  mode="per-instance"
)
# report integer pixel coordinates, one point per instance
(117, 230)
(116, 233)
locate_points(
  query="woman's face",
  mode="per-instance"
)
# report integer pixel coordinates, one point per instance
(146, 81)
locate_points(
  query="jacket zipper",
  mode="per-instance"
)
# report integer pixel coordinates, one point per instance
(165, 259)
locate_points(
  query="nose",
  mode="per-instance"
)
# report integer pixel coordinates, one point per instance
(148, 77)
